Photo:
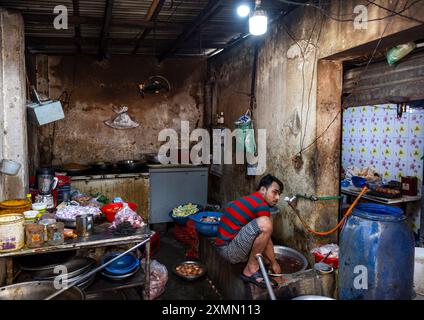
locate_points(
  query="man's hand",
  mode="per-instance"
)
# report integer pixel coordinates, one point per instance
(276, 267)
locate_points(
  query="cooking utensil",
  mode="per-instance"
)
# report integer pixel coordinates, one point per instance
(281, 251)
(75, 267)
(323, 267)
(84, 224)
(189, 278)
(36, 290)
(89, 274)
(312, 297)
(102, 166)
(75, 169)
(45, 261)
(130, 165)
(46, 181)
(9, 167)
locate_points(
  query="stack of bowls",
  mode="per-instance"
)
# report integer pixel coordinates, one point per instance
(121, 269)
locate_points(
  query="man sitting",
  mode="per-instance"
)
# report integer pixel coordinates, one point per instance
(245, 230)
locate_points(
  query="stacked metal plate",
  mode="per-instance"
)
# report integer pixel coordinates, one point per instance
(69, 271)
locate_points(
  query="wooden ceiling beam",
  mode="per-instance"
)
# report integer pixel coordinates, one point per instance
(41, 42)
(152, 14)
(77, 28)
(107, 18)
(236, 27)
(213, 7)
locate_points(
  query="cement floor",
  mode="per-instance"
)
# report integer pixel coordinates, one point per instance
(172, 252)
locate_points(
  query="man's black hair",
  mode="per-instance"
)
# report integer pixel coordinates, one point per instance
(267, 181)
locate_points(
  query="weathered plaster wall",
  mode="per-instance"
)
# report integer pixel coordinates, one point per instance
(280, 99)
(95, 87)
(13, 136)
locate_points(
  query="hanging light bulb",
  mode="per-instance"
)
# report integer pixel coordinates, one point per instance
(258, 21)
(243, 10)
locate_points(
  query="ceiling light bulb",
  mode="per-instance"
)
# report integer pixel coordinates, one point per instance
(243, 10)
(258, 23)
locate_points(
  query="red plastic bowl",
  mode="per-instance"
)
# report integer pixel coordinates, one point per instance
(111, 209)
(332, 261)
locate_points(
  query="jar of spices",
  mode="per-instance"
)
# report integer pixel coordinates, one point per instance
(55, 234)
(34, 235)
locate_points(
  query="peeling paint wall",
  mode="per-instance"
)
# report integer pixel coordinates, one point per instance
(295, 92)
(13, 129)
(93, 88)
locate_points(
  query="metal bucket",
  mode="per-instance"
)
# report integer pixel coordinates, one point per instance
(281, 251)
(312, 297)
(38, 290)
(12, 232)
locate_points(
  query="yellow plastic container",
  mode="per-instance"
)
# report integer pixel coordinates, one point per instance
(12, 232)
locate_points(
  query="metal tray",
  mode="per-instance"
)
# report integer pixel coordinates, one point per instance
(383, 195)
(189, 278)
(45, 261)
(75, 267)
(85, 283)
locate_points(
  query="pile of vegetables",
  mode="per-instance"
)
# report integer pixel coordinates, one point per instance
(185, 210)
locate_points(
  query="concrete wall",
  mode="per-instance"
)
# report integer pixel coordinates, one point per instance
(280, 87)
(95, 87)
(13, 136)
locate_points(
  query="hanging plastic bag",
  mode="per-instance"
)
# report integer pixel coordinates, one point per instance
(123, 120)
(245, 138)
(158, 278)
(397, 53)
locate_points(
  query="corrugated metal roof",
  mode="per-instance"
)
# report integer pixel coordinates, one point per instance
(127, 23)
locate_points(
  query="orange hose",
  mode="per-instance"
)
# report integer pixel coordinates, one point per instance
(349, 211)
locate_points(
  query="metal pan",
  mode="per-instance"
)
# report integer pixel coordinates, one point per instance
(75, 268)
(130, 165)
(37, 290)
(189, 278)
(102, 166)
(45, 261)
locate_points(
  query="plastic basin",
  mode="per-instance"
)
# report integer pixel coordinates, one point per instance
(208, 229)
(183, 220)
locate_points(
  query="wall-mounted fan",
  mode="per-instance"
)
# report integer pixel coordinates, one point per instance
(154, 85)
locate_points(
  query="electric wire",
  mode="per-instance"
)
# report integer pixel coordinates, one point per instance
(334, 17)
(312, 81)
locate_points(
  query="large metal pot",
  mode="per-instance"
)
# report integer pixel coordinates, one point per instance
(102, 166)
(281, 251)
(38, 290)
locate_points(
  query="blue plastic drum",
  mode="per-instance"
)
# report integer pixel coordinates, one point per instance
(376, 255)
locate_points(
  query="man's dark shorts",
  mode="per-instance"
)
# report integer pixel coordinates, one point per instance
(238, 250)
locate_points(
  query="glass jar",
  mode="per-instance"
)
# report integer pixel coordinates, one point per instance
(34, 235)
(55, 234)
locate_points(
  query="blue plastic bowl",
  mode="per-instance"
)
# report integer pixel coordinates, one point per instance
(123, 265)
(208, 229)
(183, 220)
